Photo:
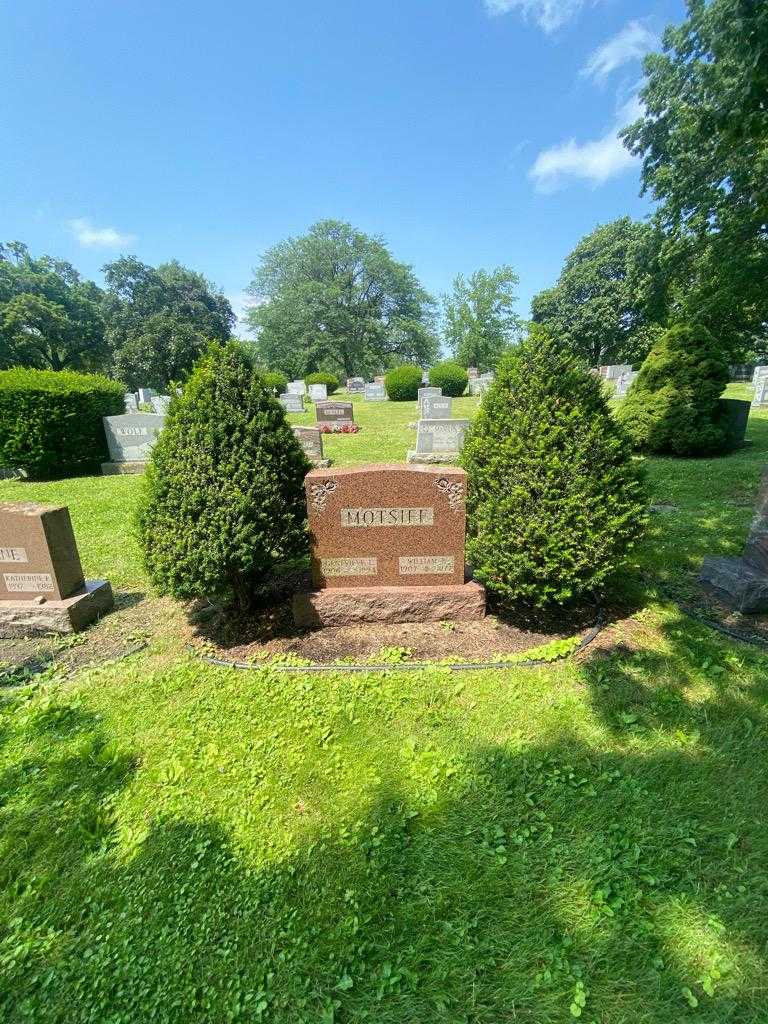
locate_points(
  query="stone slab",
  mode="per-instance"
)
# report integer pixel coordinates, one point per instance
(122, 468)
(38, 552)
(334, 412)
(318, 392)
(440, 435)
(736, 583)
(436, 407)
(311, 440)
(291, 402)
(386, 526)
(414, 458)
(347, 606)
(20, 618)
(131, 437)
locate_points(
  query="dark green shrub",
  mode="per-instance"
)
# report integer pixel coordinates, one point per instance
(223, 502)
(449, 376)
(673, 406)
(51, 421)
(402, 384)
(331, 382)
(554, 500)
(274, 381)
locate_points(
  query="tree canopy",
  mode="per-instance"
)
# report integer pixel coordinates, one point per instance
(480, 318)
(704, 143)
(50, 318)
(608, 297)
(335, 299)
(161, 319)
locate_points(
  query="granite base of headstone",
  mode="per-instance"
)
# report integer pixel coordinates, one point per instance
(742, 583)
(130, 439)
(42, 588)
(438, 442)
(387, 547)
(311, 440)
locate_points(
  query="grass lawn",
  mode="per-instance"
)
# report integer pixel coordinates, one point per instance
(180, 842)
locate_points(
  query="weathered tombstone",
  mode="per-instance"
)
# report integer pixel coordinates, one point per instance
(375, 392)
(387, 546)
(291, 402)
(160, 404)
(742, 583)
(334, 412)
(423, 392)
(130, 439)
(318, 392)
(758, 372)
(42, 588)
(131, 403)
(145, 395)
(379, 379)
(624, 383)
(479, 385)
(296, 387)
(616, 370)
(742, 372)
(355, 384)
(311, 440)
(472, 371)
(760, 399)
(438, 441)
(435, 407)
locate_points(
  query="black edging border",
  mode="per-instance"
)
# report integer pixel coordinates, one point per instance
(411, 666)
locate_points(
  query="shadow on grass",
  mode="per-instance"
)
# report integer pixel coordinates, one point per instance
(633, 877)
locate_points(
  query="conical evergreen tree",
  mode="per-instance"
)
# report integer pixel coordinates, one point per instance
(555, 501)
(673, 404)
(224, 492)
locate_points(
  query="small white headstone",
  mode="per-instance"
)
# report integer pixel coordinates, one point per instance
(292, 402)
(297, 387)
(318, 392)
(440, 435)
(375, 392)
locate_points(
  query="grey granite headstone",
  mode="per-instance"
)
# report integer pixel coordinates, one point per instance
(296, 387)
(615, 370)
(355, 384)
(145, 394)
(160, 404)
(760, 399)
(375, 392)
(311, 440)
(292, 402)
(131, 437)
(624, 383)
(131, 402)
(318, 392)
(422, 393)
(440, 435)
(435, 407)
(759, 371)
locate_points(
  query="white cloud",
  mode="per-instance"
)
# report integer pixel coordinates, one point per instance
(595, 161)
(548, 14)
(241, 302)
(632, 43)
(97, 238)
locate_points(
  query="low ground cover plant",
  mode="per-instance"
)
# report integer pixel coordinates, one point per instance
(450, 377)
(51, 421)
(673, 405)
(224, 496)
(555, 500)
(403, 382)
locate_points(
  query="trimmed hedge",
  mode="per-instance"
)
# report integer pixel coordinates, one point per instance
(223, 500)
(274, 381)
(331, 382)
(555, 501)
(402, 384)
(449, 376)
(673, 405)
(51, 421)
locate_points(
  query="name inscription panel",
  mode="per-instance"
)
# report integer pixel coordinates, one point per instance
(13, 555)
(28, 582)
(426, 565)
(387, 516)
(349, 566)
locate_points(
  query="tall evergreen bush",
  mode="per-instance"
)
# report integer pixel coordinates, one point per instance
(555, 501)
(224, 492)
(673, 405)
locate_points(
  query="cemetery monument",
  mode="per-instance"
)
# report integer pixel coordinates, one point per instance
(387, 546)
(311, 440)
(130, 439)
(334, 412)
(292, 402)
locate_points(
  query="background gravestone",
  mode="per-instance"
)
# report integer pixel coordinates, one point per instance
(438, 441)
(42, 588)
(355, 384)
(296, 387)
(311, 440)
(387, 546)
(375, 392)
(130, 439)
(760, 399)
(145, 395)
(334, 412)
(160, 404)
(318, 392)
(436, 407)
(131, 402)
(291, 402)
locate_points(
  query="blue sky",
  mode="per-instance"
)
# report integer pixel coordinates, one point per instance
(468, 133)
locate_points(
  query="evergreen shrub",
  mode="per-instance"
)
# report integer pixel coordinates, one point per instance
(274, 381)
(403, 382)
(330, 380)
(449, 376)
(673, 404)
(51, 421)
(555, 501)
(223, 500)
